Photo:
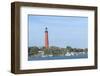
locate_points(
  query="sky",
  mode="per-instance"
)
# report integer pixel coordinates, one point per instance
(62, 31)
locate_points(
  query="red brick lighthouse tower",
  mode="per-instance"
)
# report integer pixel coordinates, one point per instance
(46, 38)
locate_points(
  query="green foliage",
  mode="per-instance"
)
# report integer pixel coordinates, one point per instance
(53, 50)
(33, 50)
(46, 51)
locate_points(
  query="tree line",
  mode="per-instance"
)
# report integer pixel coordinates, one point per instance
(54, 50)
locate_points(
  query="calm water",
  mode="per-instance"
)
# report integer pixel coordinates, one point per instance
(30, 58)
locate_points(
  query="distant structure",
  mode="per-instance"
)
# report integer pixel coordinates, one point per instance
(46, 38)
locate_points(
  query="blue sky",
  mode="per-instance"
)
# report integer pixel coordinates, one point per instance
(63, 31)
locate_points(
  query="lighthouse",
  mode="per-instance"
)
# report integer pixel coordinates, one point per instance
(46, 38)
